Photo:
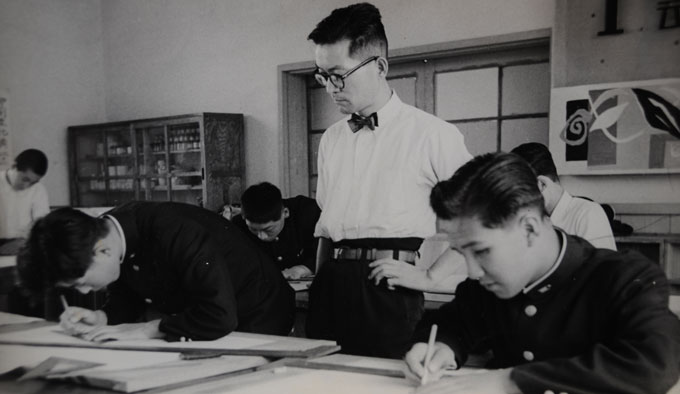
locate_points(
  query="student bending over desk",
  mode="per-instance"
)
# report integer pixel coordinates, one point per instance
(188, 263)
(558, 314)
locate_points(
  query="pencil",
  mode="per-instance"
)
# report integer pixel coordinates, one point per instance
(63, 301)
(428, 353)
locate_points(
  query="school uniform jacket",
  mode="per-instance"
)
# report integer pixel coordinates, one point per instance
(200, 271)
(295, 244)
(599, 324)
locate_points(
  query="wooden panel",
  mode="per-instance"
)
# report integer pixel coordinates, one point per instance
(467, 94)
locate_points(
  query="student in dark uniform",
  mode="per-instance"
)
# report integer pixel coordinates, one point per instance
(558, 314)
(193, 266)
(283, 228)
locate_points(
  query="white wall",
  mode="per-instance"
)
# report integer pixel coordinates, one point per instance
(51, 68)
(167, 57)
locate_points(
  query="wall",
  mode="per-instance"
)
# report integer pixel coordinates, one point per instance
(169, 56)
(641, 52)
(51, 67)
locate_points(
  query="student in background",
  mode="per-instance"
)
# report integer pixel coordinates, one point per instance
(283, 228)
(576, 216)
(191, 265)
(376, 169)
(22, 198)
(558, 314)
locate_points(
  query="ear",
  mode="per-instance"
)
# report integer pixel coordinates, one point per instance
(383, 66)
(530, 222)
(286, 212)
(543, 182)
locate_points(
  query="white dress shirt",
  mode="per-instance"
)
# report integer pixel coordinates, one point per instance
(585, 219)
(377, 183)
(18, 209)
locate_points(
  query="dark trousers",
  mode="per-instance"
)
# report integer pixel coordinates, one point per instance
(363, 318)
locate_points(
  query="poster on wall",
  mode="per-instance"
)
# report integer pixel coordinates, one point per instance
(616, 128)
(5, 147)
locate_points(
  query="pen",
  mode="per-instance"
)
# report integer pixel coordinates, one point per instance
(428, 353)
(63, 301)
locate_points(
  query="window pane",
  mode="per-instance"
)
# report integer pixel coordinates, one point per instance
(526, 89)
(314, 140)
(405, 88)
(467, 94)
(480, 137)
(322, 110)
(519, 131)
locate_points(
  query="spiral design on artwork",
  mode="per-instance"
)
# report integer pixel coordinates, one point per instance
(576, 129)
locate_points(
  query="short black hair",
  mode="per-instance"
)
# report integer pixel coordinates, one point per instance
(539, 158)
(492, 187)
(32, 159)
(359, 23)
(262, 203)
(58, 249)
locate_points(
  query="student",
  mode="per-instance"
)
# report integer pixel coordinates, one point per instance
(190, 264)
(376, 169)
(22, 198)
(574, 215)
(283, 228)
(558, 314)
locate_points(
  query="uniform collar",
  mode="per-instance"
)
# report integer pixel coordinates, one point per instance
(121, 233)
(572, 255)
(125, 218)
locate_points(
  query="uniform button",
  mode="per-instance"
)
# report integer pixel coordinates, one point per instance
(530, 310)
(182, 339)
(135, 267)
(549, 392)
(148, 300)
(132, 255)
(528, 355)
(279, 258)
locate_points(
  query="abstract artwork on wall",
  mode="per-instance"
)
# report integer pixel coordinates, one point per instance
(5, 147)
(617, 128)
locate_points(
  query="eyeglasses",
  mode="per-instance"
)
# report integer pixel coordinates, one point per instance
(339, 80)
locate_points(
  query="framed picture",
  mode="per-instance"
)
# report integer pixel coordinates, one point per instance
(617, 128)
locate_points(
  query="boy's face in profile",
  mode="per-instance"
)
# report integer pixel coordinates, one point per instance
(23, 179)
(268, 231)
(497, 257)
(104, 270)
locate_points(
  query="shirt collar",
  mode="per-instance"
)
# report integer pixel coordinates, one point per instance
(552, 269)
(388, 112)
(561, 208)
(120, 232)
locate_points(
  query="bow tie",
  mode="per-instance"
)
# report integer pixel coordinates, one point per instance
(356, 122)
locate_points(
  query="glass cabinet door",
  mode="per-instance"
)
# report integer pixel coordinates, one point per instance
(184, 163)
(105, 170)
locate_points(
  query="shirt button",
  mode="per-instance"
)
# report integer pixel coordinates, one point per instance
(530, 310)
(135, 267)
(148, 300)
(528, 355)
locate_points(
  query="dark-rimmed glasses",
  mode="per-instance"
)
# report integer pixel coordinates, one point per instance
(336, 79)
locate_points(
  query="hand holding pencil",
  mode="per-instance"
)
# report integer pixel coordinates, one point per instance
(78, 321)
(428, 361)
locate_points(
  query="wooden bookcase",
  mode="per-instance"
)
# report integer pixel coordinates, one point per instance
(194, 158)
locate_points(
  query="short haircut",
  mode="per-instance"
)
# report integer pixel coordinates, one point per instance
(492, 187)
(539, 158)
(32, 159)
(58, 249)
(359, 23)
(262, 203)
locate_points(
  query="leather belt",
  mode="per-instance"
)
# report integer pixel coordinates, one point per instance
(407, 256)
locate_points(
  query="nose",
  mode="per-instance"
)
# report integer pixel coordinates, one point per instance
(83, 289)
(475, 271)
(330, 88)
